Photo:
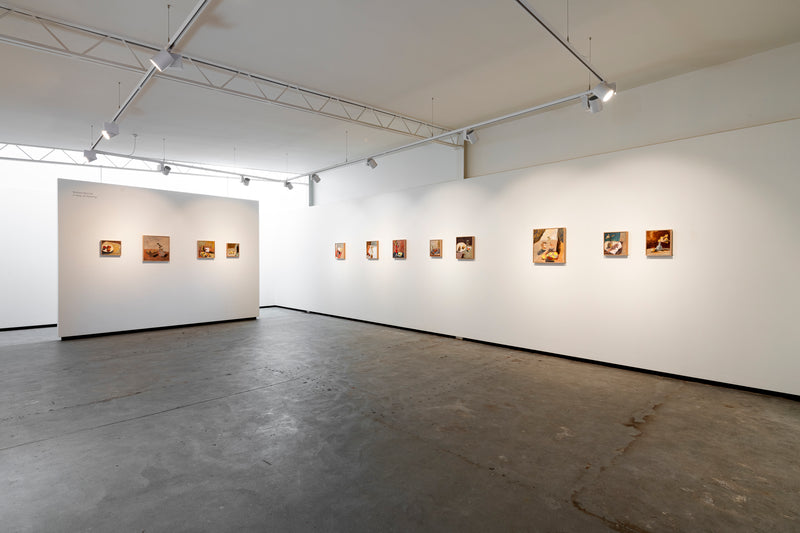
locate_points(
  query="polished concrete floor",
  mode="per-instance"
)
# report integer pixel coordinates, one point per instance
(299, 422)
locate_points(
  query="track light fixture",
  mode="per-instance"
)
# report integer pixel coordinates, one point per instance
(245, 181)
(89, 155)
(605, 91)
(315, 178)
(371, 163)
(164, 169)
(165, 59)
(591, 103)
(288, 185)
(110, 129)
(470, 136)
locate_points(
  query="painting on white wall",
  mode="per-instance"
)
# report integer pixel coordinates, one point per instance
(399, 249)
(465, 247)
(659, 242)
(339, 250)
(155, 248)
(232, 250)
(550, 245)
(615, 243)
(110, 248)
(205, 250)
(436, 247)
(372, 250)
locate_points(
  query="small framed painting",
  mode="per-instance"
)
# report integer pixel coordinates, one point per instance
(658, 242)
(372, 250)
(155, 248)
(339, 250)
(399, 249)
(110, 248)
(615, 243)
(465, 247)
(436, 247)
(232, 250)
(550, 245)
(205, 249)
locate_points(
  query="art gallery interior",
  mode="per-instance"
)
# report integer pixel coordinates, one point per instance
(298, 385)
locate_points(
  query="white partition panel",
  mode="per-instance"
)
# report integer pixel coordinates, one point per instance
(99, 294)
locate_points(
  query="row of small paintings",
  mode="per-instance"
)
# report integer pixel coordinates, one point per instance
(465, 249)
(549, 245)
(658, 242)
(155, 248)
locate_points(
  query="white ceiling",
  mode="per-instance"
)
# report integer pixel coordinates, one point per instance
(455, 62)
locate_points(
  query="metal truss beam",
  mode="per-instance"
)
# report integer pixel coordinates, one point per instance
(26, 29)
(110, 160)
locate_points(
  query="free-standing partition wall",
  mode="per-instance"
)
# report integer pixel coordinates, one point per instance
(131, 258)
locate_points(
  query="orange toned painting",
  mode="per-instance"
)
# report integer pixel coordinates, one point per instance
(110, 248)
(339, 250)
(399, 249)
(550, 245)
(232, 250)
(436, 247)
(155, 248)
(658, 242)
(205, 249)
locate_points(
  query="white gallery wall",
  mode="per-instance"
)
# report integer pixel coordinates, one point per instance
(28, 227)
(756, 90)
(424, 165)
(722, 308)
(28, 222)
(101, 294)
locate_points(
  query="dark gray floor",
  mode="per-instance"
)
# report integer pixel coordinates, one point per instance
(300, 422)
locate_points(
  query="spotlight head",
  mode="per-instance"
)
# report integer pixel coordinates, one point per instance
(470, 136)
(315, 178)
(288, 185)
(164, 169)
(245, 181)
(605, 91)
(110, 129)
(591, 103)
(371, 163)
(89, 155)
(165, 59)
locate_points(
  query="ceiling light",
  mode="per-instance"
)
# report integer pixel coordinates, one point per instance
(372, 163)
(288, 185)
(89, 155)
(164, 60)
(605, 91)
(316, 178)
(164, 169)
(110, 129)
(245, 181)
(591, 103)
(470, 136)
